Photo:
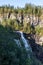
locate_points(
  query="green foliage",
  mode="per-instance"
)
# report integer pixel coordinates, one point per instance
(39, 30)
(26, 27)
(11, 53)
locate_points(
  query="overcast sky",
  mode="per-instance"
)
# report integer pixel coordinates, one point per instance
(20, 3)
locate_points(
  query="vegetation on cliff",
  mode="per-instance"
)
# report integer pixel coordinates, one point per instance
(11, 53)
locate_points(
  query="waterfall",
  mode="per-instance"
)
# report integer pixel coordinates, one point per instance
(26, 43)
(27, 46)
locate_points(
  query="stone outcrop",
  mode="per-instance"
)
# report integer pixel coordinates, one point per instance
(22, 18)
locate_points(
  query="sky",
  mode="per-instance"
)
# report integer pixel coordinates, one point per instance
(20, 3)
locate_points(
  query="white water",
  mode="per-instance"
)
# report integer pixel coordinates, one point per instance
(27, 46)
(17, 42)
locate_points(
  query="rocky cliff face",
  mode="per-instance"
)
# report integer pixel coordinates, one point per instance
(36, 44)
(21, 18)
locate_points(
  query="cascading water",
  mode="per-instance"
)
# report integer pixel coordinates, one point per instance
(27, 46)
